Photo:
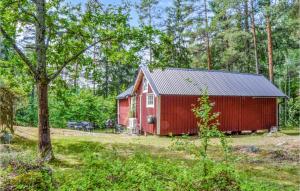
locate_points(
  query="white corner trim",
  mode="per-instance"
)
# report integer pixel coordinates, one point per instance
(277, 113)
(118, 113)
(140, 120)
(158, 115)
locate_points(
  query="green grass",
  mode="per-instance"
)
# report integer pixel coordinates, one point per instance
(291, 131)
(85, 163)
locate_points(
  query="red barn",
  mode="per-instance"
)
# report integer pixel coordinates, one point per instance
(160, 101)
(124, 106)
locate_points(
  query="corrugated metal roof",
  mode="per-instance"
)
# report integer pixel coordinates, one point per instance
(125, 93)
(179, 81)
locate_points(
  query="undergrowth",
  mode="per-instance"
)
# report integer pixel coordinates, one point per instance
(93, 166)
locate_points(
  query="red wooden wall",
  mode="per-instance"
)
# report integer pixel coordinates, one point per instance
(236, 113)
(124, 108)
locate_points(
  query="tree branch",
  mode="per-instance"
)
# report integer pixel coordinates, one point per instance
(26, 12)
(66, 62)
(19, 51)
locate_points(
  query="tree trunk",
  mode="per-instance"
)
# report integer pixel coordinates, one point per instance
(209, 65)
(270, 48)
(42, 80)
(150, 36)
(76, 77)
(106, 79)
(45, 147)
(32, 104)
(95, 57)
(254, 37)
(246, 20)
(247, 43)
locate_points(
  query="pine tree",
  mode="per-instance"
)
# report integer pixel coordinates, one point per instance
(253, 26)
(149, 13)
(269, 35)
(177, 26)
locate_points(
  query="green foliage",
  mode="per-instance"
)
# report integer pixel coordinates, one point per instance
(83, 106)
(293, 115)
(23, 172)
(84, 165)
(108, 169)
(31, 180)
(208, 127)
(67, 105)
(221, 178)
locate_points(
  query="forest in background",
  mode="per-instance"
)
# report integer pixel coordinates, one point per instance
(252, 36)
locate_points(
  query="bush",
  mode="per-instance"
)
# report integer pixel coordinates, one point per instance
(21, 171)
(30, 180)
(108, 170)
(222, 178)
(81, 107)
(65, 105)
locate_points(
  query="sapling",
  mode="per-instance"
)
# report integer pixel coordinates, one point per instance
(208, 127)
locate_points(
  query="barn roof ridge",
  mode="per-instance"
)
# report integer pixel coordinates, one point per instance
(205, 70)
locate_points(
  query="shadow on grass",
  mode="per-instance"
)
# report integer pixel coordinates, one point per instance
(63, 163)
(23, 143)
(76, 147)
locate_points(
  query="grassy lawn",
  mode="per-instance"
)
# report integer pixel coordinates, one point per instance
(291, 131)
(85, 161)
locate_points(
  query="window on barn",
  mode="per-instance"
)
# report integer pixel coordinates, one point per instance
(145, 85)
(150, 100)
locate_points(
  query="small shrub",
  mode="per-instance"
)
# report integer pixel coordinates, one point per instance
(31, 180)
(23, 172)
(221, 179)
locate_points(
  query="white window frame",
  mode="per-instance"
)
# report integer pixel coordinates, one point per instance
(145, 84)
(147, 98)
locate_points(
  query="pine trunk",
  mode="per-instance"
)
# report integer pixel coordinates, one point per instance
(254, 37)
(76, 76)
(270, 48)
(150, 36)
(208, 51)
(106, 79)
(247, 43)
(246, 16)
(45, 147)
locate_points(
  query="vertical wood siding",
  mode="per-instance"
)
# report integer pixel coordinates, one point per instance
(236, 113)
(124, 111)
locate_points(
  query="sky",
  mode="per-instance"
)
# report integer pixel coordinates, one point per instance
(134, 16)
